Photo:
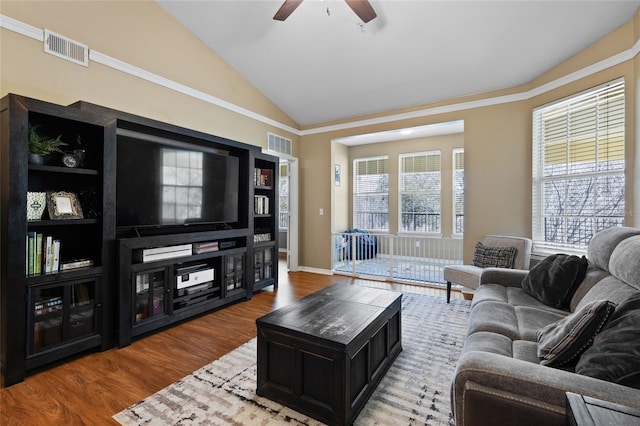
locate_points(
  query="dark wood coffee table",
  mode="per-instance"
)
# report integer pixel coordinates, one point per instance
(325, 354)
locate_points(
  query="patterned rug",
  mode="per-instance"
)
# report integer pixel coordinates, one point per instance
(414, 391)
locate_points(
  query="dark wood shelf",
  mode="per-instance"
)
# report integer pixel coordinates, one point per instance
(70, 274)
(63, 222)
(62, 169)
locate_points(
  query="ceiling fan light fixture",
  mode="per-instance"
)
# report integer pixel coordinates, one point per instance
(362, 8)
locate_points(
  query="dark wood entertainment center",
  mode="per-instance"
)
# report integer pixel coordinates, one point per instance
(117, 293)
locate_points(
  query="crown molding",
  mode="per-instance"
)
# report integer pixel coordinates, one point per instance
(124, 67)
(38, 34)
(21, 28)
(522, 96)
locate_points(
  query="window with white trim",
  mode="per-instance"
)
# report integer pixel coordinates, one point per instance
(458, 191)
(420, 192)
(578, 168)
(371, 193)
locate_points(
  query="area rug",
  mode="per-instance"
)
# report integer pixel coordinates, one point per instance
(415, 390)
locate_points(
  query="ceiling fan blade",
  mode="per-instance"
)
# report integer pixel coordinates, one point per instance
(363, 9)
(286, 9)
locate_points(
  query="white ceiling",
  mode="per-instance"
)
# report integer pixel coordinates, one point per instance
(319, 67)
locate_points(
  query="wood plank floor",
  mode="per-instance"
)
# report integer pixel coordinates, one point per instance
(91, 388)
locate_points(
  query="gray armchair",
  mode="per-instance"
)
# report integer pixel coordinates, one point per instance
(469, 275)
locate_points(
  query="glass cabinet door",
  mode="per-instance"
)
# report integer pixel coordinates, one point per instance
(234, 272)
(48, 310)
(61, 312)
(149, 294)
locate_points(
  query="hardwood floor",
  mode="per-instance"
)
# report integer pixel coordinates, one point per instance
(93, 387)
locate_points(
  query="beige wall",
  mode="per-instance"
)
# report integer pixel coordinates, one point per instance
(497, 139)
(341, 199)
(160, 45)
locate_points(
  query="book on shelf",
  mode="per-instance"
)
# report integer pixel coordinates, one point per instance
(44, 306)
(263, 177)
(31, 241)
(77, 263)
(261, 204)
(38, 253)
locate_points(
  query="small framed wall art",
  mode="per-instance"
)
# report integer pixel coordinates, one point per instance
(63, 205)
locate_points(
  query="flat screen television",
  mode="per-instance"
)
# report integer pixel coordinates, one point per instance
(161, 183)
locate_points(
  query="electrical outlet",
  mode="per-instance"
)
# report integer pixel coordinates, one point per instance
(321, 212)
(417, 244)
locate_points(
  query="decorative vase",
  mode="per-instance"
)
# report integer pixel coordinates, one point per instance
(36, 159)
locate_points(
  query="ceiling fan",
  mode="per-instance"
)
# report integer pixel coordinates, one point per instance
(362, 8)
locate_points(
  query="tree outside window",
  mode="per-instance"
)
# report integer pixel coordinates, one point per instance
(578, 168)
(371, 194)
(420, 186)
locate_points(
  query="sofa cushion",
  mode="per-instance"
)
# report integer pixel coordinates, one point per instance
(494, 317)
(624, 261)
(593, 277)
(531, 319)
(564, 341)
(493, 257)
(615, 353)
(604, 242)
(555, 279)
(609, 288)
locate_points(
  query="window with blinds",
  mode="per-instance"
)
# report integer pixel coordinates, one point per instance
(371, 193)
(458, 191)
(578, 168)
(420, 192)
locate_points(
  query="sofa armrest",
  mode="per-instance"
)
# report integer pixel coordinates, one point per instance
(494, 389)
(503, 276)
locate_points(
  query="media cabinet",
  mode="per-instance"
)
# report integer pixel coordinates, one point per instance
(108, 293)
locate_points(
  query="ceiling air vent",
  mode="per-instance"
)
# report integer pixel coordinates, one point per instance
(65, 48)
(279, 144)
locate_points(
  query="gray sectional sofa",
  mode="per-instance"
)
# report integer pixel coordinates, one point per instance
(500, 378)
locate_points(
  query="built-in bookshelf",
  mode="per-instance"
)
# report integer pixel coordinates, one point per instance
(57, 257)
(74, 278)
(265, 221)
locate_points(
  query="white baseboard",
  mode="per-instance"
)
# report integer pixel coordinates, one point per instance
(315, 270)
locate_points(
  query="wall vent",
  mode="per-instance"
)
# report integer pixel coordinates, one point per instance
(65, 48)
(279, 144)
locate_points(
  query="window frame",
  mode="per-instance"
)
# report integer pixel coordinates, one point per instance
(573, 174)
(355, 212)
(454, 192)
(426, 193)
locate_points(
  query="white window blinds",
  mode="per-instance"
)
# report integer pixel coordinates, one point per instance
(578, 168)
(458, 191)
(371, 193)
(420, 187)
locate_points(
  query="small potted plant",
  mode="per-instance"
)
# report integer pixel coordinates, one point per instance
(39, 146)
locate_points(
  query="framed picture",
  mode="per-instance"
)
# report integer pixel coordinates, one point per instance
(63, 205)
(337, 174)
(36, 203)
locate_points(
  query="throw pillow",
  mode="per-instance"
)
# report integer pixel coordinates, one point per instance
(565, 340)
(555, 279)
(493, 257)
(615, 353)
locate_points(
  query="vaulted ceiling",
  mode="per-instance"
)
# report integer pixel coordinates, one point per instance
(324, 64)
